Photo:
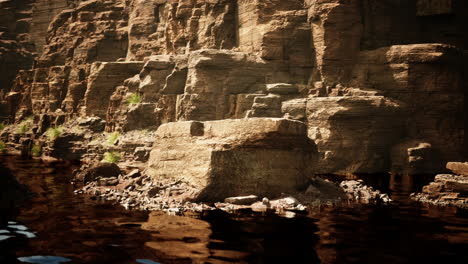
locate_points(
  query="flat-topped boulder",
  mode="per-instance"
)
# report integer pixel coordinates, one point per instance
(261, 156)
(459, 168)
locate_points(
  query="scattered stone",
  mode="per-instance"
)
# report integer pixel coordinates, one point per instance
(259, 207)
(356, 190)
(111, 181)
(446, 189)
(175, 197)
(133, 174)
(242, 200)
(154, 191)
(142, 153)
(282, 88)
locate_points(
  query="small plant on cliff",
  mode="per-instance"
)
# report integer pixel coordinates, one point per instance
(111, 157)
(2, 126)
(36, 151)
(24, 126)
(134, 98)
(54, 132)
(2, 146)
(112, 139)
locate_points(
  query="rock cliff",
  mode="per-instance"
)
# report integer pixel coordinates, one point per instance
(379, 85)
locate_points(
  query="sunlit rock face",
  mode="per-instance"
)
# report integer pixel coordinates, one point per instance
(178, 27)
(226, 158)
(379, 84)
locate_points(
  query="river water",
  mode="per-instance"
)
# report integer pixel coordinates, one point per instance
(56, 226)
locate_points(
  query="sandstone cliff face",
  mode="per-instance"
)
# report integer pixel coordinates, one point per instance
(177, 27)
(353, 133)
(379, 84)
(43, 12)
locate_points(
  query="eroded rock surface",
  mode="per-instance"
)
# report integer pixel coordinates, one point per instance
(380, 85)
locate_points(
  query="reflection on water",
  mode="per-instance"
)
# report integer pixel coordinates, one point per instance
(146, 261)
(44, 259)
(56, 226)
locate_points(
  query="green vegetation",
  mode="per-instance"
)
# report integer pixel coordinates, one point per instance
(54, 132)
(36, 151)
(2, 126)
(112, 139)
(112, 157)
(24, 126)
(2, 146)
(134, 98)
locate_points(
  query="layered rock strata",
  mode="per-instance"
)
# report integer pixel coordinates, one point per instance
(447, 189)
(353, 133)
(379, 85)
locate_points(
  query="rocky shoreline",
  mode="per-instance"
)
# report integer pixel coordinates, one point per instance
(218, 99)
(127, 182)
(447, 189)
(140, 192)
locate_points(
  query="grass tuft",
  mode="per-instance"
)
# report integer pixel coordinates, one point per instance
(54, 132)
(24, 126)
(112, 157)
(3, 146)
(134, 98)
(112, 139)
(36, 151)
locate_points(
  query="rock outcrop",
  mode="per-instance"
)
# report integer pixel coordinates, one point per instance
(354, 134)
(447, 189)
(432, 104)
(234, 157)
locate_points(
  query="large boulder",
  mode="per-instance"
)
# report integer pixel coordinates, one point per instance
(262, 156)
